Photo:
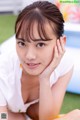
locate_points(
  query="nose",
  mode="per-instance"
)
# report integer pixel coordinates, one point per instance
(30, 54)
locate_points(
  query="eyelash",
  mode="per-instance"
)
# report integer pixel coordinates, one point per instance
(39, 45)
(42, 45)
(21, 44)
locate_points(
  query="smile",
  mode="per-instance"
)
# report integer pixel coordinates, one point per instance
(32, 65)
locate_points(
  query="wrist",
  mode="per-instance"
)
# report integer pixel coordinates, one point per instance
(45, 81)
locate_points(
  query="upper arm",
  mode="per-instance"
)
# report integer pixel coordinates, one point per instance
(3, 110)
(59, 89)
(3, 106)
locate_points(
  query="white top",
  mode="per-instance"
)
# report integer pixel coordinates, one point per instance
(10, 83)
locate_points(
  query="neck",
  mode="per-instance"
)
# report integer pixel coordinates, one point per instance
(29, 80)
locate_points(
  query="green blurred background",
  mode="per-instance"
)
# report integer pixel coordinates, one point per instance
(7, 25)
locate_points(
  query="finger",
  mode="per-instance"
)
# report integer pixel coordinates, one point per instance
(55, 52)
(59, 47)
(62, 43)
(51, 65)
(55, 58)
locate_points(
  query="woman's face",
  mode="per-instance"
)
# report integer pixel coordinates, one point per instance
(36, 55)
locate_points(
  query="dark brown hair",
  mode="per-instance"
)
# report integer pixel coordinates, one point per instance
(40, 12)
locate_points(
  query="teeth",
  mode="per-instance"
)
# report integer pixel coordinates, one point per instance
(31, 64)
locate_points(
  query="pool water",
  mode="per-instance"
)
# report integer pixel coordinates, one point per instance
(73, 39)
(73, 45)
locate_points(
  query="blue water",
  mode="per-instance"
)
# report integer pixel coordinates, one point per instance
(73, 39)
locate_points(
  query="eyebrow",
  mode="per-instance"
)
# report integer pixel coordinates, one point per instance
(35, 40)
(42, 40)
(21, 39)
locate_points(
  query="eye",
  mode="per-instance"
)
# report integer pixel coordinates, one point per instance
(21, 44)
(40, 45)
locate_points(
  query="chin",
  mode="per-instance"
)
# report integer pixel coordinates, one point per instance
(34, 72)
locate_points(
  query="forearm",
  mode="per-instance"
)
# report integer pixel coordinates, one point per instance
(46, 105)
(16, 116)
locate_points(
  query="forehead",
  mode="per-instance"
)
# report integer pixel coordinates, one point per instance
(42, 29)
(37, 29)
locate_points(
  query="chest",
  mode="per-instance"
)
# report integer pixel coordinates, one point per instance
(29, 89)
(29, 95)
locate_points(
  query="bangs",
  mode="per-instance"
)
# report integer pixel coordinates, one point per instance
(25, 27)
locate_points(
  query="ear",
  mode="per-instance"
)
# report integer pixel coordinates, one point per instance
(64, 39)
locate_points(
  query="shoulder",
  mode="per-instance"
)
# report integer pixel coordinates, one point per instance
(7, 60)
(9, 73)
(8, 65)
(65, 65)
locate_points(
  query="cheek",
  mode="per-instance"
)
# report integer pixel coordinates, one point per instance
(48, 56)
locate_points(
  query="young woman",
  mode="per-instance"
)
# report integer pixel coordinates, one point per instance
(34, 77)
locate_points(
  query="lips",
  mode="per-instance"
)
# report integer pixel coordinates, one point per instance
(32, 65)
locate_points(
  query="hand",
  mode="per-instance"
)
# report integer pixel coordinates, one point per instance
(59, 51)
(73, 115)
